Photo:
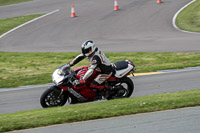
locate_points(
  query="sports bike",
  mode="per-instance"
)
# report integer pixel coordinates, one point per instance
(63, 91)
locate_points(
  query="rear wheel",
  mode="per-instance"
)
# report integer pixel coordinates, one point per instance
(122, 89)
(53, 97)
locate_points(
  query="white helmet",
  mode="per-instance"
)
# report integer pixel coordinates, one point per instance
(88, 48)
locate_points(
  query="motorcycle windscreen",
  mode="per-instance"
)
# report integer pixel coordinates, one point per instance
(56, 77)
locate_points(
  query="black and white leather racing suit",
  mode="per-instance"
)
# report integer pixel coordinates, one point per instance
(98, 62)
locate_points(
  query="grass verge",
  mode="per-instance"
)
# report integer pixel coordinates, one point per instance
(189, 18)
(10, 23)
(105, 109)
(19, 69)
(9, 2)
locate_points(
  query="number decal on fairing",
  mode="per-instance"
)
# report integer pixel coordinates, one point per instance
(77, 95)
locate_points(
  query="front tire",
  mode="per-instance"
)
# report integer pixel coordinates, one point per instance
(52, 97)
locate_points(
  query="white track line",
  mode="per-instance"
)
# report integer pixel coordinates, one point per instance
(27, 23)
(175, 16)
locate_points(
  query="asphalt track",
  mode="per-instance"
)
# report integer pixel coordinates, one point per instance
(28, 98)
(139, 25)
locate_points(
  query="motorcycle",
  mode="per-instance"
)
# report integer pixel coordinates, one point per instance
(120, 85)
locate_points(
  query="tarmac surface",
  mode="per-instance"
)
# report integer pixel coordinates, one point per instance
(28, 97)
(139, 26)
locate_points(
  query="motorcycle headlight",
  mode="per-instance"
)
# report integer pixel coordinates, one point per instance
(60, 72)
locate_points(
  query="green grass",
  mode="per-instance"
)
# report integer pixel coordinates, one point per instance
(189, 18)
(18, 69)
(105, 109)
(10, 23)
(9, 2)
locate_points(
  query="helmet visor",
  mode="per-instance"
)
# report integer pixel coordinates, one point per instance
(86, 51)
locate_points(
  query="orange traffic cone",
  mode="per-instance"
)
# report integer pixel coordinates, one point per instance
(73, 12)
(159, 1)
(116, 7)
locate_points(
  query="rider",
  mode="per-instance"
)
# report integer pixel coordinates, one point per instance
(98, 62)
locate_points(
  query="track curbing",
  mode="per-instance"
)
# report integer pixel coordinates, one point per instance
(136, 74)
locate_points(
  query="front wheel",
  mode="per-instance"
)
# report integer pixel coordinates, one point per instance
(122, 89)
(53, 97)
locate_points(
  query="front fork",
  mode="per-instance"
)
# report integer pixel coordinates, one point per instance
(61, 92)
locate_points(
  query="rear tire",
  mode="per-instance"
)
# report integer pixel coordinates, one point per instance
(52, 98)
(123, 88)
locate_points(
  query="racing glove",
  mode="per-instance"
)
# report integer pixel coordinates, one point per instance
(78, 83)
